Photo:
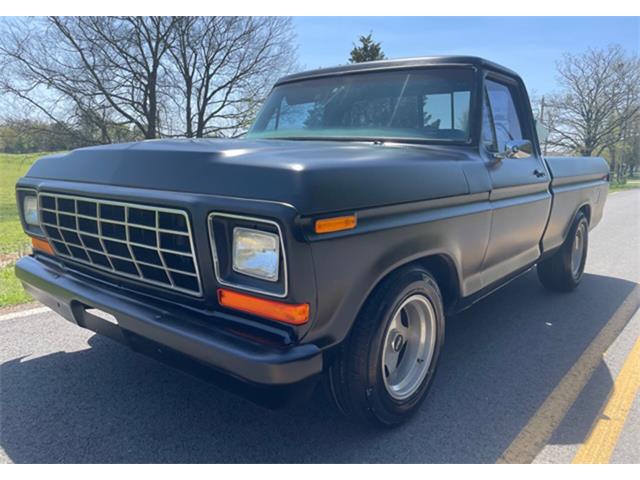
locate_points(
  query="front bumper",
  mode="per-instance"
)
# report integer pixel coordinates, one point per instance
(180, 332)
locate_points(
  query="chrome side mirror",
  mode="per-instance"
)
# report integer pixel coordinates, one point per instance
(515, 149)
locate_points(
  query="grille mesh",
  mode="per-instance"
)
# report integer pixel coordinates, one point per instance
(151, 244)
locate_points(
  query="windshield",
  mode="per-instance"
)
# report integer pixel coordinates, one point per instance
(429, 104)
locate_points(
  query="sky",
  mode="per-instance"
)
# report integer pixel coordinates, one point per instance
(530, 46)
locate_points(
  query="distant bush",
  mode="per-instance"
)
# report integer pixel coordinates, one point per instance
(28, 136)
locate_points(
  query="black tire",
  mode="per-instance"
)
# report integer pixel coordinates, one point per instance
(557, 273)
(355, 378)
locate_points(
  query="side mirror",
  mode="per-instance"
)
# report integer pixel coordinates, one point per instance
(515, 149)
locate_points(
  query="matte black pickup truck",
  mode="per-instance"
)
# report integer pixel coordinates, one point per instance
(366, 202)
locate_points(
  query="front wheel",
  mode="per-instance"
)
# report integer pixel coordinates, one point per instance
(385, 367)
(563, 271)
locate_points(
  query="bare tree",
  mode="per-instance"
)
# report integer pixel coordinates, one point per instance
(622, 145)
(102, 77)
(119, 61)
(599, 100)
(106, 70)
(31, 84)
(225, 66)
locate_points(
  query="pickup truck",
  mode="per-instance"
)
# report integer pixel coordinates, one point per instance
(365, 204)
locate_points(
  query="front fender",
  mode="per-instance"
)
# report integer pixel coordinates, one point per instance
(350, 264)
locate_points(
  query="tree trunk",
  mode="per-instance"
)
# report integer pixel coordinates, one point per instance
(152, 114)
(613, 164)
(188, 109)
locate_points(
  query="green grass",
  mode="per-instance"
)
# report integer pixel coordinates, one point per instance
(13, 241)
(630, 184)
(12, 166)
(11, 291)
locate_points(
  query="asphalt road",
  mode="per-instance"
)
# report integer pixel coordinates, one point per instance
(67, 395)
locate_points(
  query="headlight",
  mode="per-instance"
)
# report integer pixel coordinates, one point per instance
(30, 210)
(256, 253)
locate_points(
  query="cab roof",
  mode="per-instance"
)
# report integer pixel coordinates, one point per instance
(444, 60)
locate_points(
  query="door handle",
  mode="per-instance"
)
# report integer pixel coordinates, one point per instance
(539, 173)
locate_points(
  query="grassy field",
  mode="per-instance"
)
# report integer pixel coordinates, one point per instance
(631, 183)
(13, 241)
(11, 291)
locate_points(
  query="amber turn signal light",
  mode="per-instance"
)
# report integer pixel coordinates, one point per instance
(42, 245)
(335, 224)
(294, 314)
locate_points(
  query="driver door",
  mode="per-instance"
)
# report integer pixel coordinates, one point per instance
(520, 196)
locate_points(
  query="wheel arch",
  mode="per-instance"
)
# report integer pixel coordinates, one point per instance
(443, 269)
(445, 273)
(586, 209)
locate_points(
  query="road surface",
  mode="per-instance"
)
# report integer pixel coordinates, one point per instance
(526, 375)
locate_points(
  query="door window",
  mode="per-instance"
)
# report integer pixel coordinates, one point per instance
(503, 115)
(488, 131)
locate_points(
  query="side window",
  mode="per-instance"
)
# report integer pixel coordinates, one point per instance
(488, 132)
(504, 114)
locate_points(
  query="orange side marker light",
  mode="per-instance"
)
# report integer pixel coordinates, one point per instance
(335, 224)
(294, 314)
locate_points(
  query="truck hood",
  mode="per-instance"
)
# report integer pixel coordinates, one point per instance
(313, 176)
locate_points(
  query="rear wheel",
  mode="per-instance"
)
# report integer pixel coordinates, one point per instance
(563, 271)
(385, 367)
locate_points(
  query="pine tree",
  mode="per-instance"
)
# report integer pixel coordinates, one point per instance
(367, 51)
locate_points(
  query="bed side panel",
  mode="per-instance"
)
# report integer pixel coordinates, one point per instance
(576, 182)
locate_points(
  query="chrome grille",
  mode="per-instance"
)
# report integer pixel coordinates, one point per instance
(151, 244)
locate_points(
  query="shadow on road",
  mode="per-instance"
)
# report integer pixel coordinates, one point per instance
(501, 360)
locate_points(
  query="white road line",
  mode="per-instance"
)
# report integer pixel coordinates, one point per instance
(24, 313)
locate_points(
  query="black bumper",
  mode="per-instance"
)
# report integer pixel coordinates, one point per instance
(218, 349)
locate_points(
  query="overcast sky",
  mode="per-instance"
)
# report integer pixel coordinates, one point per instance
(530, 46)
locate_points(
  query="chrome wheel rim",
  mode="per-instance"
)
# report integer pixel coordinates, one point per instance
(577, 250)
(408, 347)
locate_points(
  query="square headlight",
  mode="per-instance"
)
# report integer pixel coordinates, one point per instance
(30, 210)
(256, 253)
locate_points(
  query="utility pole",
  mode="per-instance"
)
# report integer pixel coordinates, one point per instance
(540, 120)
